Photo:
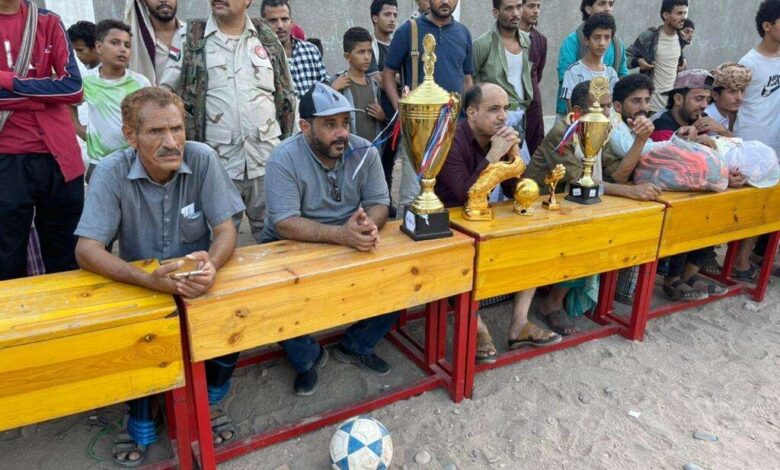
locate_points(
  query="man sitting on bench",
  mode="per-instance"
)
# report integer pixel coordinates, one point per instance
(326, 185)
(159, 197)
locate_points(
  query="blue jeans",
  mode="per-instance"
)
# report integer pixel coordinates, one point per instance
(360, 338)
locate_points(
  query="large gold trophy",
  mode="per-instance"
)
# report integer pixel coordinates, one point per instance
(593, 133)
(428, 121)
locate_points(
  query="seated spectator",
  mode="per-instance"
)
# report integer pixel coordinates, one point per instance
(163, 198)
(598, 30)
(546, 157)
(82, 37)
(314, 195)
(484, 138)
(686, 104)
(363, 91)
(728, 91)
(105, 87)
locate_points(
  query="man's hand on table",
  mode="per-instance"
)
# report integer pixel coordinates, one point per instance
(360, 232)
(644, 192)
(736, 179)
(197, 285)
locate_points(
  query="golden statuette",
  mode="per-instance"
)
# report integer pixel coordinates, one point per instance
(526, 193)
(477, 206)
(551, 181)
(428, 113)
(593, 132)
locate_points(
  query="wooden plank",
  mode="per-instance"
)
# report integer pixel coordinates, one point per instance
(272, 292)
(59, 377)
(700, 220)
(56, 305)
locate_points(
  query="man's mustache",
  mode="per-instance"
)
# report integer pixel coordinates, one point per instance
(168, 152)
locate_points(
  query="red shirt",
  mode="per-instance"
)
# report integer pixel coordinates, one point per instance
(41, 120)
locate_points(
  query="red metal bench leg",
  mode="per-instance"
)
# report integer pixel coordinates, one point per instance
(181, 423)
(729, 261)
(208, 460)
(441, 327)
(432, 333)
(642, 296)
(606, 296)
(460, 346)
(766, 267)
(471, 351)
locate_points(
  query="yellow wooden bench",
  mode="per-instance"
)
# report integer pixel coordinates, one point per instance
(75, 341)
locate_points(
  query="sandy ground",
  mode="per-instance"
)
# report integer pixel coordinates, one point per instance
(712, 369)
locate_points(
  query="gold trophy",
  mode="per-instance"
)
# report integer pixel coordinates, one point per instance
(551, 181)
(593, 133)
(428, 120)
(526, 193)
(477, 206)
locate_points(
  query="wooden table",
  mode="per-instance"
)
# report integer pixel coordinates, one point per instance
(267, 293)
(515, 253)
(75, 341)
(700, 220)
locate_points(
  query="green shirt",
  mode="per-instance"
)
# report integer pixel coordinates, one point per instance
(490, 65)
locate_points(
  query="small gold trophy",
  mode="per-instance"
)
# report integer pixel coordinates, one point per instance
(526, 193)
(593, 133)
(551, 181)
(428, 120)
(477, 206)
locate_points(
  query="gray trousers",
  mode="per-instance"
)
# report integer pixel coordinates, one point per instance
(252, 192)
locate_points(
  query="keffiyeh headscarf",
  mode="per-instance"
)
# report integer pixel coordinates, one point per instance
(732, 76)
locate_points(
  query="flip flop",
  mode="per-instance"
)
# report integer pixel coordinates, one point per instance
(123, 446)
(709, 288)
(487, 348)
(748, 275)
(559, 322)
(679, 290)
(222, 427)
(529, 336)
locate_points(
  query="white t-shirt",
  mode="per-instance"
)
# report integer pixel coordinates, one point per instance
(713, 112)
(667, 57)
(578, 72)
(759, 116)
(514, 72)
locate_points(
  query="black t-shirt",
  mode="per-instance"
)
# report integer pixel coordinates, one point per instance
(666, 122)
(378, 66)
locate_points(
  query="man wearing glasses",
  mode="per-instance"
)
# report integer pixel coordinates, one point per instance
(326, 185)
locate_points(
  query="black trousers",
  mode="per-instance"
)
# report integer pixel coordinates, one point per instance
(32, 185)
(698, 258)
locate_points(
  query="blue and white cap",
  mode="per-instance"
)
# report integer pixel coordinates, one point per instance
(322, 100)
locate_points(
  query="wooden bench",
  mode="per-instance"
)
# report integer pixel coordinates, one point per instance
(515, 253)
(267, 293)
(75, 341)
(700, 220)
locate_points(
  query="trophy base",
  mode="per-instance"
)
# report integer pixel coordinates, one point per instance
(585, 195)
(426, 227)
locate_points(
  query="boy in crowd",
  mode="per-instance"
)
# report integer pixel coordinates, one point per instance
(599, 30)
(363, 91)
(105, 87)
(82, 37)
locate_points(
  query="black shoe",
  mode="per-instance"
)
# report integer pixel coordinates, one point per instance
(306, 383)
(370, 362)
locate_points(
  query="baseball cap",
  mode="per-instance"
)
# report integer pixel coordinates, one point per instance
(322, 100)
(690, 79)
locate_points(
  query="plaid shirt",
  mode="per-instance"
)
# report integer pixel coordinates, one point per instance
(306, 66)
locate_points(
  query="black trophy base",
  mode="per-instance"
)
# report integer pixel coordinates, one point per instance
(585, 195)
(427, 227)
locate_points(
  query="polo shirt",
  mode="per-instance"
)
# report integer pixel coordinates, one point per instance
(298, 184)
(153, 220)
(453, 53)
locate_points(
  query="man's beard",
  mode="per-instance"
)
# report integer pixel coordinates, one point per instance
(165, 18)
(688, 116)
(441, 16)
(324, 149)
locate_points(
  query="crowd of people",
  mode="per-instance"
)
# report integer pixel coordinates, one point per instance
(187, 126)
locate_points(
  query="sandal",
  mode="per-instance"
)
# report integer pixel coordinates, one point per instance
(711, 267)
(748, 275)
(709, 288)
(679, 290)
(560, 323)
(124, 447)
(486, 350)
(532, 335)
(222, 428)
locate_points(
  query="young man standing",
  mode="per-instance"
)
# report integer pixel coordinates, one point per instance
(303, 58)
(158, 36)
(537, 57)
(658, 51)
(384, 16)
(41, 170)
(574, 47)
(104, 89)
(82, 37)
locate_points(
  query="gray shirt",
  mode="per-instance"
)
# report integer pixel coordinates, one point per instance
(297, 184)
(153, 220)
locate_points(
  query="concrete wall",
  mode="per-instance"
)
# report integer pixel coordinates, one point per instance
(725, 29)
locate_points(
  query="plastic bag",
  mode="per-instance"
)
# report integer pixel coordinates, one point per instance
(756, 161)
(681, 165)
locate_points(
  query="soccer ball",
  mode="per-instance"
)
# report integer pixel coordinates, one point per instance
(361, 443)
